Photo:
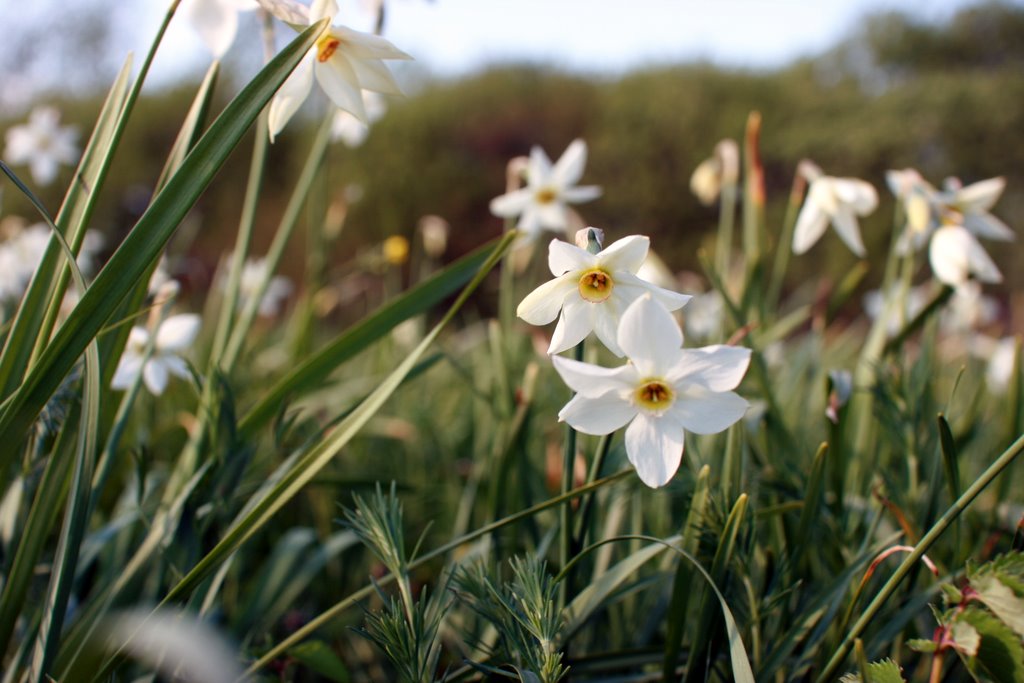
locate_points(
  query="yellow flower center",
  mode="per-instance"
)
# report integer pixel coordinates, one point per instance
(654, 395)
(545, 195)
(596, 285)
(326, 46)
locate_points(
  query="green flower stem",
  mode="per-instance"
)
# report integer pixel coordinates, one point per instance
(317, 622)
(587, 504)
(783, 249)
(726, 228)
(961, 504)
(568, 466)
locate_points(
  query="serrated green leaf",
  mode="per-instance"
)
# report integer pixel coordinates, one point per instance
(922, 645)
(884, 671)
(1000, 655)
(317, 656)
(1003, 602)
(966, 637)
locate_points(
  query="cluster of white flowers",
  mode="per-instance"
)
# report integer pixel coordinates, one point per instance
(42, 144)
(22, 252)
(663, 390)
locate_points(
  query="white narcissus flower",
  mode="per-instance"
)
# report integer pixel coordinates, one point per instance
(174, 336)
(216, 21)
(279, 288)
(838, 201)
(955, 255)
(351, 130)
(541, 205)
(43, 144)
(711, 174)
(592, 291)
(661, 392)
(343, 61)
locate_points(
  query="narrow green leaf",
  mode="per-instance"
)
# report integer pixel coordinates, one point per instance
(706, 622)
(191, 127)
(681, 588)
(40, 293)
(311, 374)
(144, 243)
(812, 504)
(594, 595)
(949, 458)
(314, 461)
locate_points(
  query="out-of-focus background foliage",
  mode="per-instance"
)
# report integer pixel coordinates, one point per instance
(946, 98)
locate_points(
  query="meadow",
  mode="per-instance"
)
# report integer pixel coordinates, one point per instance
(363, 391)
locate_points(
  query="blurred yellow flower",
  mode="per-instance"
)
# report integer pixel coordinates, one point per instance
(396, 250)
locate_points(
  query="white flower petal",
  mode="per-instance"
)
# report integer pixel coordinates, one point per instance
(655, 448)
(627, 282)
(339, 81)
(154, 374)
(512, 203)
(857, 194)
(716, 368)
(980, 196)
(374, 75)
(322, 9)
(650, 336)
(552, 216)
(367, 45)
(539, 169)
(705, 412)
(542, 305)
(626, 254)
(606, 324)
(290, 96)
(848, 230)
(988, 226)
(576, 322)
(175, 366)
(597, 415)
(955, 255)
(128, 368)
(288, 11)
(581, 193)
(591, 380)
(569, 167)
(177, 332)
(810, 226)
(214, 21)
(564, 257)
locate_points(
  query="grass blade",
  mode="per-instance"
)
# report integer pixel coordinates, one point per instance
(143, 245)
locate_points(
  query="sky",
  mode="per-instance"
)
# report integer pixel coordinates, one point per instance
(453, 37)
(449, 38)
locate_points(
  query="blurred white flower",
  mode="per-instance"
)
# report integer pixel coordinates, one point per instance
(21, 254)
(927, 208)
(1001, 355)
(541, 205)
(216, 21)
(434, 231)
(278, 289)
(661, 392)
(968, 309)
(173, 336)
(840, 390)
(703, 316)
(43, 144)
(876, 304)
(956, 255)
(352, 131)
(592, 291)
(722, 168)
(344, 62)
(833, 200)
(179, 645)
